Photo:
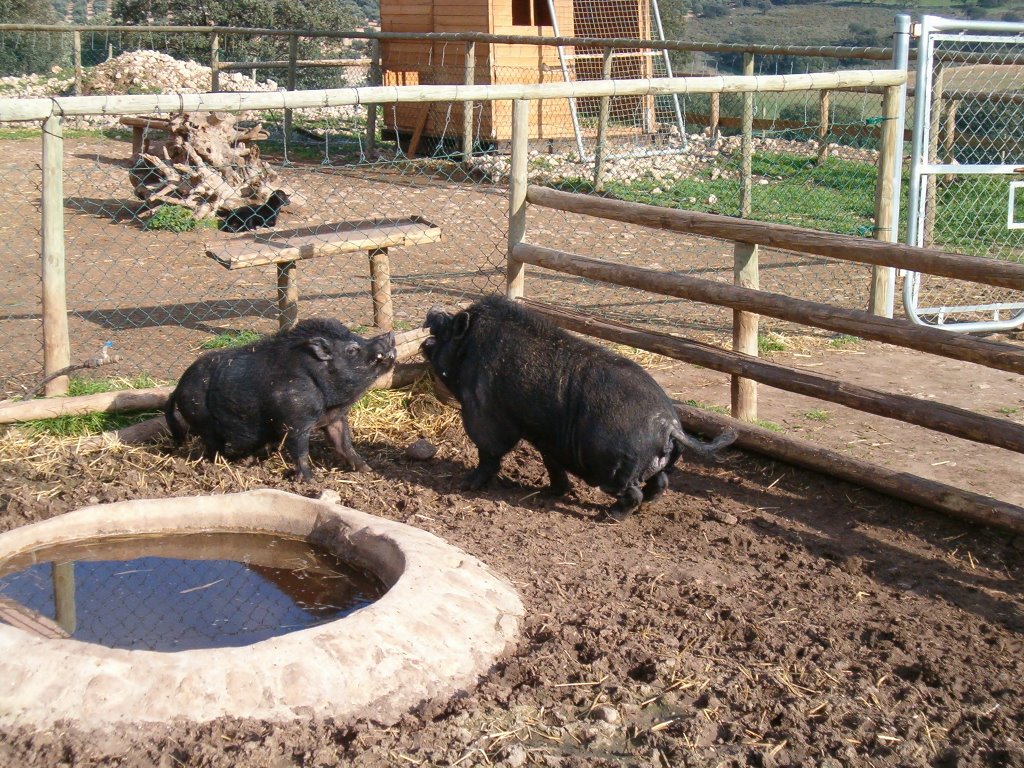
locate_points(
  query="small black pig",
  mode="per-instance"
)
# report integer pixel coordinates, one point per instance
(588, 411)
(247, 217)
(280, 389)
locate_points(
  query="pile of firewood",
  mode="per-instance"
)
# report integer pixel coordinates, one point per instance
(205, 162)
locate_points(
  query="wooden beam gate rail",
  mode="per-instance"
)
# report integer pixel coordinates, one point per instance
(745, 301)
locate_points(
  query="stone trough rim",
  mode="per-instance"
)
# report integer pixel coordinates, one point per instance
(440, 626)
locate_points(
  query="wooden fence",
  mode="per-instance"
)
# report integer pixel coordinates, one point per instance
(746, 302)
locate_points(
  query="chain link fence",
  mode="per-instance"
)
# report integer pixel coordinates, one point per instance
(160, 299)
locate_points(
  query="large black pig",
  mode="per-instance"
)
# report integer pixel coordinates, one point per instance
(587, 410)
(278, 390)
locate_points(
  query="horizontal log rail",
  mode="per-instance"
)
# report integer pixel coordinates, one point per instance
(40, 109)
(1004, 357)
(923, 413)
(815, 51)
(242, 66)
(900, 485)
(1004, 274)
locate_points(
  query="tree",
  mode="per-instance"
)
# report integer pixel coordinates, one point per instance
(28, 52)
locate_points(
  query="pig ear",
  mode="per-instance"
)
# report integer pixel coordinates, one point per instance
(319, 348)
(460, 325)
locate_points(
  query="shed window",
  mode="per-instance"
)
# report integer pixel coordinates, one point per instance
(531, 13)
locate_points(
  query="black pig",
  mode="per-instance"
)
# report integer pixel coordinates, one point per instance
(248, 217)
(278, 390)
(588, 411)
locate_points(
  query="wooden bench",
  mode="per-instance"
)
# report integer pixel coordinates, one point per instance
(286, 247)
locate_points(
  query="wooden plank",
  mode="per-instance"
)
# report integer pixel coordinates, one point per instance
(1003, 274)
(417, 133)
(1004, 357)
(311, 242)
(901, 485)
(929, 414)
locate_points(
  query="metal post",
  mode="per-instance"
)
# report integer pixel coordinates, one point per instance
(668, 71)
(215, 63)
(900, 61)
(293, 55)
(602, 123)
(76, 53)
(469, 76)
(747, 146)
(565, 76)
(515, 271)
(56, 345)
(371, 109)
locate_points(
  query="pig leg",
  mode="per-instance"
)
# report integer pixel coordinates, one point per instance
(559, 480)
(627, 502)
(340, 434)
(296, 445)
(493, 439)
(655, 486)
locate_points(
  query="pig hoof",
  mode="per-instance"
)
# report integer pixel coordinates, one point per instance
(617, 514)
(557, 489)
(361, 466)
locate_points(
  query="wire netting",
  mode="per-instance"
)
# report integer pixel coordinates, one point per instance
(976, 114)
(160, 299)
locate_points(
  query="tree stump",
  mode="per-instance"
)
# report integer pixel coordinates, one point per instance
(205, 163)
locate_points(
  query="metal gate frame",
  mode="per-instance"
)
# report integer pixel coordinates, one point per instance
(932, 29)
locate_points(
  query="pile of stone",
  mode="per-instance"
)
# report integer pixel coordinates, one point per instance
(155, 72)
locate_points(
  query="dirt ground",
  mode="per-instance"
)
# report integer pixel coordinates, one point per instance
(756, 615)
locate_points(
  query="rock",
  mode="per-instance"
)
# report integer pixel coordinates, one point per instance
(606, 714)
(515, 756)
(421, 450)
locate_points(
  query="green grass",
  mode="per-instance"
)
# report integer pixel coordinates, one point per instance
(843, 340)
(770, 343)
(818, 414)
(1007, 411)
(93, 423)
(231, 339)
(771, 426)
(708, 407)
(177, 218)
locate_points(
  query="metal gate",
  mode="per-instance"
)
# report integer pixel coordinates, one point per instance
(967, 168)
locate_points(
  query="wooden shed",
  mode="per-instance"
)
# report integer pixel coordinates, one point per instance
(434, 63)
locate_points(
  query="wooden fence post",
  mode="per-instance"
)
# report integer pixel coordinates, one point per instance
(600, 150)
(215, 63)
(56, 346)
(824, 106)
(515, 271)
(889, 164)
(745, 267)
(380, 289)
(376, 79)
(76, 55)
(469, 77)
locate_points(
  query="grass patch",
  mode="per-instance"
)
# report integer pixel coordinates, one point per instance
(771, 426)
(1007, 411)
(818, 414)
(177, 218)
(92, 423)
(770, 342)
(708, 407)
(230, 339)
(843, 340)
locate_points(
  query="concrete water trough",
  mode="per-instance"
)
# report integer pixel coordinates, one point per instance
(441, 623)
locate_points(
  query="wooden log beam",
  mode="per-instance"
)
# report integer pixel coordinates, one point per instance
(923, 413)
(1004, 274)
(901, 485)
(1004, 357)
(103, 402)
(41, 108)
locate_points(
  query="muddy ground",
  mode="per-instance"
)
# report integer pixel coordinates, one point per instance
(756, 615)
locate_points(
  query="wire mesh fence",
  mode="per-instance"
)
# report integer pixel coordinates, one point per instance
(155, 292)
(974, 113)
